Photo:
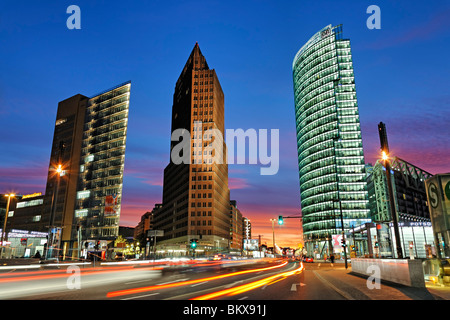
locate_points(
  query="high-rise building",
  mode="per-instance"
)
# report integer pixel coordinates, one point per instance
(329, 143)
(195, 192)
(236, 228)
(83, 198)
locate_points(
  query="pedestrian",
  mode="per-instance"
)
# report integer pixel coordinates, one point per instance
(37, 255)
(332, 258)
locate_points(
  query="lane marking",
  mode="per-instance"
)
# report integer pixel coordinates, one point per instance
(328, 283)
(145, 295)
(190, 282)
(198, 284)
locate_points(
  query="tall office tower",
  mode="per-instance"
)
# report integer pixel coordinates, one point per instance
(237, 229)
(82, 200)
(195, 192)
(329, 144)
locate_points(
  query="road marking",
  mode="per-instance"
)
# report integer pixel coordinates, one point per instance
(328, 283)
(233, 284)
(179, 280)
(243, 298)
(145, 295)
(197, 284)
(294, 286)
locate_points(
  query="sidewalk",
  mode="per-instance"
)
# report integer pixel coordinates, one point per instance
(355, 287)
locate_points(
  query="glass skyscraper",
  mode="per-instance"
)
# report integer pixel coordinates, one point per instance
(329, 143)
(99, 192)
(82, 203)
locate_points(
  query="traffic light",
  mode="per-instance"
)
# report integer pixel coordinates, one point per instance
(280, 220)
(343, 242)
(194, 243)
(376, 244)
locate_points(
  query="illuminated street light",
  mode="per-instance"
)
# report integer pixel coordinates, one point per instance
(385, 157)
(52, 229)
(273, 234)
(6, 218)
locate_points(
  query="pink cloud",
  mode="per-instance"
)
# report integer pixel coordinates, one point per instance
(237, 183)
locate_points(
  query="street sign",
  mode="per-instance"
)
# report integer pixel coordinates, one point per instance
(155, 233)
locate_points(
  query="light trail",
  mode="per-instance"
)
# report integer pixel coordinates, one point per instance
(54, 274)
(250, 286)
(189, 282)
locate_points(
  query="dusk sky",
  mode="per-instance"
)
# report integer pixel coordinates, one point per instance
(401, 72)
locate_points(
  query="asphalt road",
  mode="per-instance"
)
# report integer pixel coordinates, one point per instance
(266, 280)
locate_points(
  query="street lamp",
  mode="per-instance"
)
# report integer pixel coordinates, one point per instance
(385, 157)
(6, 217)
(273, 234)
(52, 230)
(387, 166)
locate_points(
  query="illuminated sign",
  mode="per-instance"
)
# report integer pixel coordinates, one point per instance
(111, 206)
(36, 194)
(325, 33)
(60, 121)
(251, 244)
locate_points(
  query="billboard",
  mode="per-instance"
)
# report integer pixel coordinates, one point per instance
(111, 206)
(251, 244)
(438, 194)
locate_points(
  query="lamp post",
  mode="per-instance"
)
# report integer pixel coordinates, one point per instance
(273, 234)
(387, 165)
(385, 158)
(52, 217)
(6, 218)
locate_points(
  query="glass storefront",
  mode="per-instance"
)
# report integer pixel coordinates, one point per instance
(378, 240)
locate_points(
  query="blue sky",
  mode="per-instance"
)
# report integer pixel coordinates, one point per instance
(401, 73)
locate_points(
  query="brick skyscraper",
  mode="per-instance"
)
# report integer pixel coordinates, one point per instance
(196, 197)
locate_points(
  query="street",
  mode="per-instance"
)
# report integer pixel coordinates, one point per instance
(263, 279)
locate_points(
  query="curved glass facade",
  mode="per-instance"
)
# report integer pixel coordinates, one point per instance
(329, 143)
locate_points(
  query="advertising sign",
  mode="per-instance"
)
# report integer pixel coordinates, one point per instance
(111, 206)
(153, 233)
(251, 244)
(336, 240)
(438, 194)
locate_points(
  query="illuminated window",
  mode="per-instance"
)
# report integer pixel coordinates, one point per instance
(83, 194)
(81, 213)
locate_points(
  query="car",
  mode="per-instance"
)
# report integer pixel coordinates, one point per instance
(308, 259)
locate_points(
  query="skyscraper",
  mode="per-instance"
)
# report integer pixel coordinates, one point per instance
(195, 193)
(329, 143)
(82, 200)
